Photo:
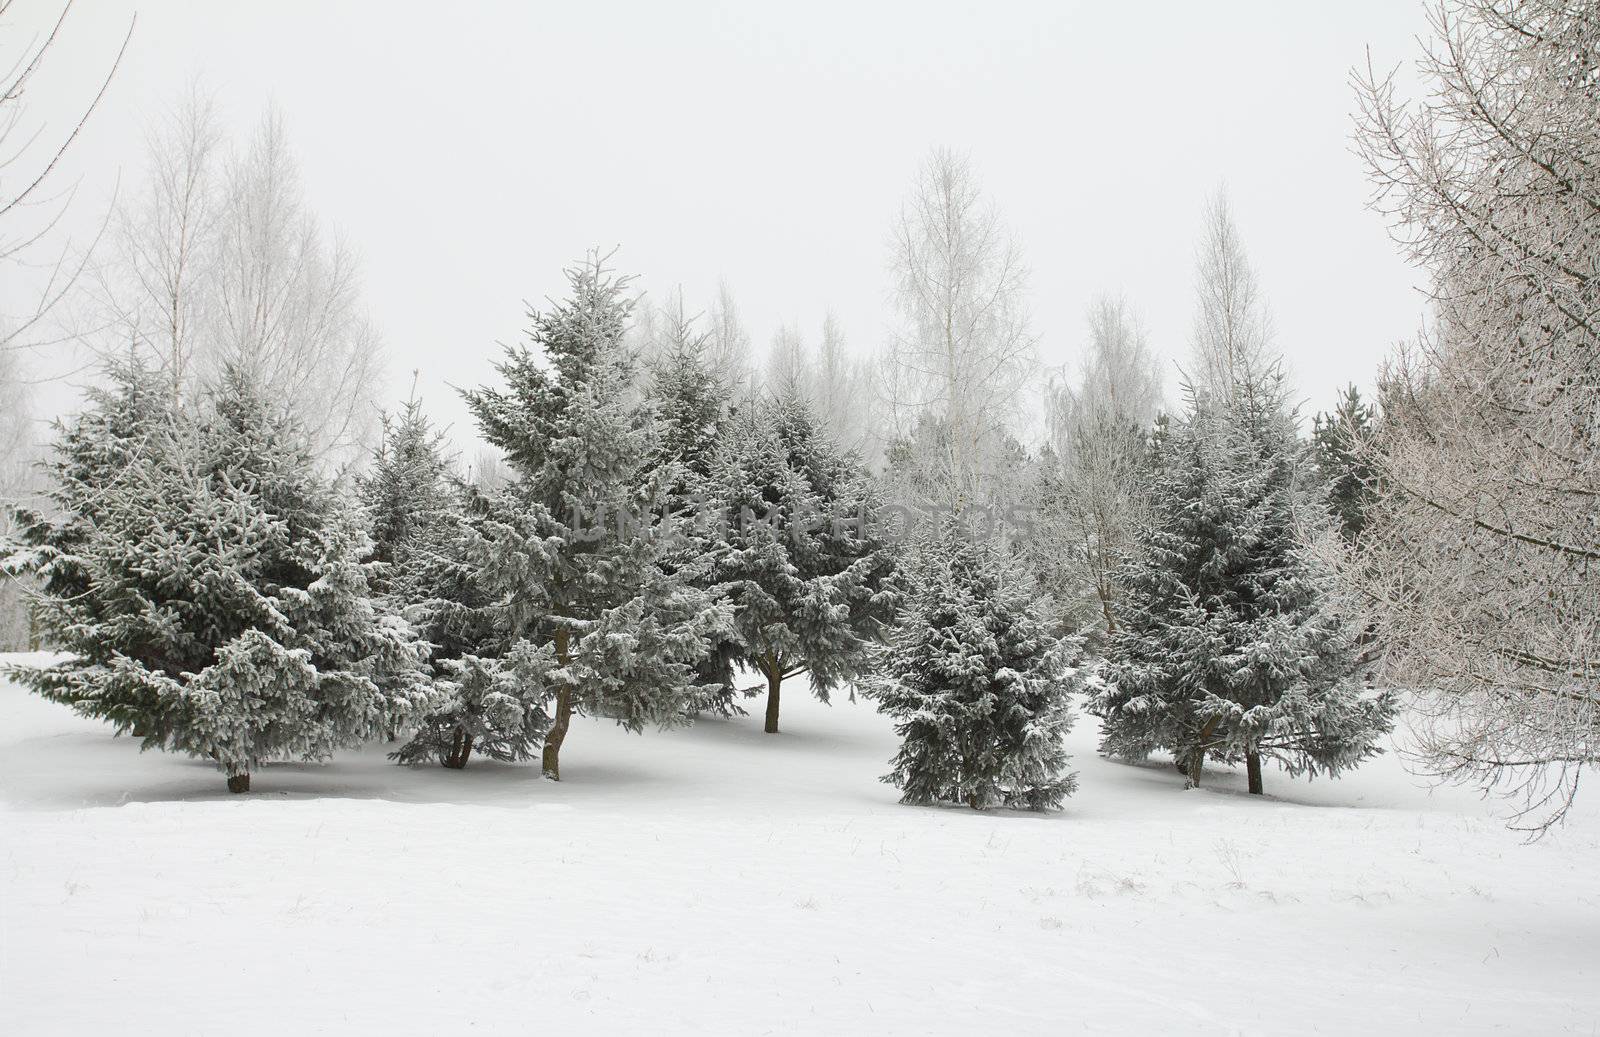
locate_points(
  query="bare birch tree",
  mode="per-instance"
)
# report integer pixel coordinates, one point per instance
(964, 351)
(1232, 336)
(839, 388)
(158, 284)
(1481, 564)
(1092, 493)
(288, 305)
(216, 261)
(788, 366)
(728, 344)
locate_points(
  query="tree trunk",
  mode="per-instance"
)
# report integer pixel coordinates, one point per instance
(239, 782)
(774, 681)
(563, 719)
(1252, 766)
(1197, 757)
(460, 750)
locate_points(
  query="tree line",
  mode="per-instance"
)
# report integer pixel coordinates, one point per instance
(1209, 577)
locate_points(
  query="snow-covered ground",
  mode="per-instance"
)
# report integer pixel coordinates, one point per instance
(718, 880)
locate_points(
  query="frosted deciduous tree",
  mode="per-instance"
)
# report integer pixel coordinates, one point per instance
(788, 364)
(839, 389)
(964, 350)
(1479, 558)
(158, 283)
(1231, 341)
(1091, 491)
(728, 344)
(288, 305)
(217, 263)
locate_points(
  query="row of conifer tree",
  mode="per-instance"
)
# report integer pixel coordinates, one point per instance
(659, 544)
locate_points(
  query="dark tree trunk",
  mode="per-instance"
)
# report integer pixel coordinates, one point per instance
(774, 683)
(238, 783)
(563, 719)
(1252, 766)
(460, 750)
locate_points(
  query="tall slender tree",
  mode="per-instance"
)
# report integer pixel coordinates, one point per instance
(577, 559)
(964, 350)
(1090, 489)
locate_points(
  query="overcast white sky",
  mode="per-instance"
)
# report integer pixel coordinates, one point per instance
(470, 150)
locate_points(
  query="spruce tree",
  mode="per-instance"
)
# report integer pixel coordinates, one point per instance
(691, 403)
(410, 487)
(573, 555)
(691, 406)
(1232, 644)
(974, 681)
(492, 685)
(1337, 442)
(210, 595)
(800, 554)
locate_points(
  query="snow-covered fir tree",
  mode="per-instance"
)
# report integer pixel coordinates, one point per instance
(91, 459)
(800, 554)
(208, 589)
(1232, 644)
(974, 680)
(410, 487)
(492, 684)
(691, 405)
(1338, 442)
(582, 583)
(690, 401)
(489, 694)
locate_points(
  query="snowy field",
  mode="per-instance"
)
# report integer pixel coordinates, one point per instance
(717, 880)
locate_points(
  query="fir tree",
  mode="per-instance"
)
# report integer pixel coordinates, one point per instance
(1337, 445)
(1232, 644)
(799, 555)
(974, 681)
(211, 595)
(691, 406)
(492, 684)
(690, 403)
(573, 556)
(410, 487)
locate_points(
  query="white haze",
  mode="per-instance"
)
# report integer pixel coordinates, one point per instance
(469, 154)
